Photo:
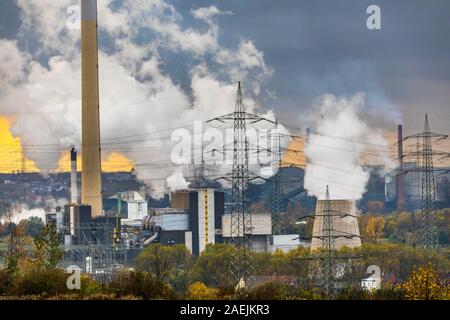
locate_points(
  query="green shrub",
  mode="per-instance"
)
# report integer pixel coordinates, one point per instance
(353, 293)
(89, 287)
(6, 282)
(140, 284)
(44, 282)
(268, 291)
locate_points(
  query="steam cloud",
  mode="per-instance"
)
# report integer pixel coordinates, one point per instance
(140, 97)
(24, 213)
(340, 143)
(176, 180)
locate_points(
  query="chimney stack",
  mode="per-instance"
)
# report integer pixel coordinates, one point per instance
(399, 179)
(91, 156)
(307, 140)
(73, 177)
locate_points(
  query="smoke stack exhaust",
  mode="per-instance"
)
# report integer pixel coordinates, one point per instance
(399, 179)
(91, 156)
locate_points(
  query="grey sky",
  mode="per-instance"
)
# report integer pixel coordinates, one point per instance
(318, 46)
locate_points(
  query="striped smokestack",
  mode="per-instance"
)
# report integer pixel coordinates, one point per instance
(91, 157)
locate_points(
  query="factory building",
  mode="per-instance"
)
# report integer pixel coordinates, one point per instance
(286, 242)
(261, 230)
(194, 218)
(410, 181)
(136, 205)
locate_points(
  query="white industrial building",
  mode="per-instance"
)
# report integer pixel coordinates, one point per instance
(286, 242)
(261, 230)
(136, 204)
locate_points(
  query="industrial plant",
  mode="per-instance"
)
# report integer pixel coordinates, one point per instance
(320, 196)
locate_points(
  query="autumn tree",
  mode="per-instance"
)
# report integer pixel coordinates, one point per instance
(165, 262)
(33, 226)
(48, 251)
(375, 228)
(199, 291)
(17, 243)
(212, 266)
(424, 283)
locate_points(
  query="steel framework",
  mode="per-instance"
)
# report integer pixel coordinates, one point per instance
(241, 266)
(428, 233)
(276, 182)
(329, 263)
(92, 251)
(328, 257)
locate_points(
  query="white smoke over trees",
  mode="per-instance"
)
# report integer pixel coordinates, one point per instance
(338, 146)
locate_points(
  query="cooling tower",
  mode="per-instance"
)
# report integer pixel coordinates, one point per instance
(341, 226)
(91, 158)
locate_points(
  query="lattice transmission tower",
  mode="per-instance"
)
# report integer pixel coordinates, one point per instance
(328, 257)
(276, 182)
(241, 219)
(329, 262)
(428, 232)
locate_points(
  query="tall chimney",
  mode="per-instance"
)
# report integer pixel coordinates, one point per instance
(73, 177)
(73, 190)
(91, 156)
(399, 179)
(307, 140)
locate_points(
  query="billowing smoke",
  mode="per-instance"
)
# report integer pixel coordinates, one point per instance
(341, 142)
(145, 54)
(176, 180)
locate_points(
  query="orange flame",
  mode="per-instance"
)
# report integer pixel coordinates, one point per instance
(12, 158)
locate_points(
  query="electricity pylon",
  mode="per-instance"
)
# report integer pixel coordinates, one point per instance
(276, 182)
(329, 263)
(428, 232)
(328, 234)
(241, 219)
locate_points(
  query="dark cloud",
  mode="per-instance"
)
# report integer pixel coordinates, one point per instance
(315, 47)
(9, 19)
(324, 46)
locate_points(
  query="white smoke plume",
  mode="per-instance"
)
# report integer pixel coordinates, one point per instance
(176, 180)
(24, 214)
(139, 98)
(341, 142)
